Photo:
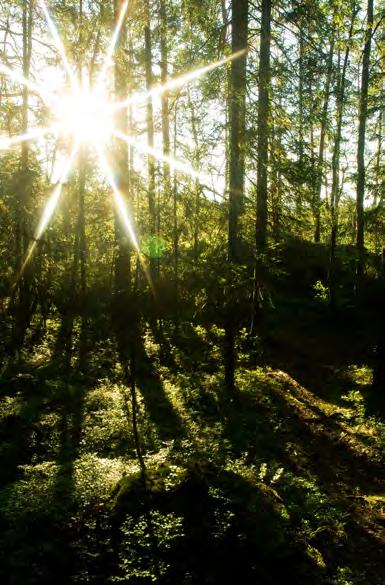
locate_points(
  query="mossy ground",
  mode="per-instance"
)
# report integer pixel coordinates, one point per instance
(285, 485)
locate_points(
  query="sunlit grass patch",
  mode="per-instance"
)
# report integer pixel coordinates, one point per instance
(360, 375)
(105, 429)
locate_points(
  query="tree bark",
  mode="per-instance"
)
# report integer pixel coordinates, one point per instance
(263, 125)
(335, 189)
(237, 103)
(363, 113)
(237, 123)
(150, 138)
(321, 151)
(123, 248)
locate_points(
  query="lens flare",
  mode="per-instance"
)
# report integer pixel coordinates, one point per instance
(172, 162)
(118, 198)
(50, 207)
(8, 141)
(12, 74)
(177, 81)
(87, 115)
(124, 215)
(112, 45)
(58, 42)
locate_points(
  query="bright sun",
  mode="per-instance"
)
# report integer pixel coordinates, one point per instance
(86, 116)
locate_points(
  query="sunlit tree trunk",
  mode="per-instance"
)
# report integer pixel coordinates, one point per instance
(263, 125)
(23, 229)
(336, 187)
(262, 152)
(236, 153)
(237, 123)
(150, 138)
(175, 224)
(82, 169)
(123, 248)
(165, 96)
(197, 186)
(363, 113)
(321, 151)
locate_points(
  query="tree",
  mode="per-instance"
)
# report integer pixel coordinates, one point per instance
(236, 153)
(363, 112)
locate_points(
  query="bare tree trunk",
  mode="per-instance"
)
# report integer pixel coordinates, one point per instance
(150, 138)
(335, 189)
(24, 307)
(262, 153)
(165, 97)
(363, 113)
(321, 152)
(197, 186)
(237, 123)
(123, 248)
(263, 125)
(175, 226)
(236, 154)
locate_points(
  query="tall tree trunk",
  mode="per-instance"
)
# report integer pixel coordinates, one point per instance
(237, 124)
(335, 189)
(82, 169)
(123, 248)
(363, 113)
(263, 125)
(236, 154)
(24, 307)
(164, 97)
(262, 153)
(175, 238)
(321, 151)
(197, 186)
(150, 138)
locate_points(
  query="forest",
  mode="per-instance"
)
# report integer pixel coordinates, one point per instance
(192, 292)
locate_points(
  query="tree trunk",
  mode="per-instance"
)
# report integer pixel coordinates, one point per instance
(335, 189)
(24, 307)
(237, 103)
(363, 113)
(197, 186)
(263, 125)
(123, 248)
(164, 96)
(321, 152)
(237, 123)
(262, 153)
(150, 139)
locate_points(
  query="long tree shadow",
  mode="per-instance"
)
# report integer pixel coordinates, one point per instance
(276, 429)
(157, 403)
(316, 349)
(18, 433)
(185, 350)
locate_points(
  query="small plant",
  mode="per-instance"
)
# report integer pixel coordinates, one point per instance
(320, 291)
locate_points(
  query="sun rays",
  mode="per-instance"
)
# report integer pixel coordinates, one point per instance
(85, 114)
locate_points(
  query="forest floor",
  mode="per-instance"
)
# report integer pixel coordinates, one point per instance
(284, 485)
